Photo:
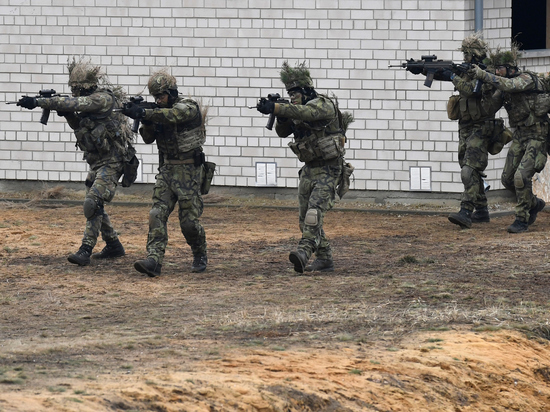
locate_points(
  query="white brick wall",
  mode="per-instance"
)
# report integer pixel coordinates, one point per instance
(228, 54)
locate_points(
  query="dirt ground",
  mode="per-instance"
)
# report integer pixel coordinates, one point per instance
(418, 315)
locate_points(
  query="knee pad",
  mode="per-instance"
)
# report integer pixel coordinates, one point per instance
(519, 183)
(91, 208)
(155, 217)
(312, 217)
(466, 174)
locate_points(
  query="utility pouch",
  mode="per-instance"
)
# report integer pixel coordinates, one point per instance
(199, 158)
(130, 171)
(453, 108)
(344, 182)
(208, 175)
(500, 137)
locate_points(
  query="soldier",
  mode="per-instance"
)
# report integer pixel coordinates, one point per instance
(105, 138)
(475, 109)
(526, 102)
(178, 127)
(315, 122)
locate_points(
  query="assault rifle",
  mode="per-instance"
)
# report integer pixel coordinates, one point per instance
(139, 101)
(429, 66)
(275, 98)
(45, 93)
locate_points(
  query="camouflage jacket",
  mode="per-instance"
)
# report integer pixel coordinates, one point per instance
(524, 98)
(316, 128)
(178, 130)
(476, 107)
(103, 135)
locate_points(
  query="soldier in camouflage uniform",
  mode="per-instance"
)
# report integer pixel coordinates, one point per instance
(315, 122)
(178, 127)
(105, 138)
(524, 100)
(476, 128)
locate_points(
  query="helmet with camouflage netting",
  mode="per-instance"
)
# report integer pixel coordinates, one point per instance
(83, 75)
(297, 76)
(162, 82)
(475, 46)
(507, 58)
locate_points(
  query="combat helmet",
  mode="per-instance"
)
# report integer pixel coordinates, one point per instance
(475, 46)
(297, 76)
(160, 82)
(83, 75)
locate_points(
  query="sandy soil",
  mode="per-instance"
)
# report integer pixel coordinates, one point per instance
(418, 315)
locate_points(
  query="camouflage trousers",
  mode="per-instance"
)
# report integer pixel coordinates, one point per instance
(526, 156)
(101, 186)
(176, 184)
(473, 158)
(316, 194)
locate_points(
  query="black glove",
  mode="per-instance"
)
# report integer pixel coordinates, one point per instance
(444, 75)
(63, 114)
(27, 102)
(265, 106)
(134, 111)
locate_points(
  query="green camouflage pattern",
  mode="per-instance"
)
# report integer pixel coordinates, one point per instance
(475, 132)
(163, 125)
(316, 190)
(176, 184)
(103, 135)
(101, 187)
(527, 155)
(316, 116)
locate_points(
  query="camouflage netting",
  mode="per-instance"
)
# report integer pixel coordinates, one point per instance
(85, 75)
(475, 45)
(501, 58)
(296, 76)
(161, 81)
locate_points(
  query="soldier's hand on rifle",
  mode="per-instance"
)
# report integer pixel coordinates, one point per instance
(27, 102)
(265, 106)
(445, 75)
(477, 72)
(133, 110)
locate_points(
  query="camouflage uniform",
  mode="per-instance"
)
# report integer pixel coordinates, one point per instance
(316, 126)
(527, 154)
(179, 133)
(104, 137)
(476, 128)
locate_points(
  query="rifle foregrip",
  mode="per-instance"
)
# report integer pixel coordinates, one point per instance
(45, 116)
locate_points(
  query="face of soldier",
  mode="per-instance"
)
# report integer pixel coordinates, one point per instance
(296, 97)
(468, 57)
(162, 99)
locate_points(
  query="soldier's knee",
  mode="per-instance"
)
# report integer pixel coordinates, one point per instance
(312, 217)
(466, 174)
(92, 208)
(155, 217)
(519, 181)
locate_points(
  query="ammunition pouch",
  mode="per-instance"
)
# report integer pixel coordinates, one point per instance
(453, 108)
(325, 147)
(208, 174)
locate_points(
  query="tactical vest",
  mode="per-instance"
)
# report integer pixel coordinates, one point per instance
(530, 107)
(476, 108)
(319, 140)
(180, 139)
(102, 135)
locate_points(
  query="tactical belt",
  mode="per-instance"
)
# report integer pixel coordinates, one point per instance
(321, 163)
(179, 162)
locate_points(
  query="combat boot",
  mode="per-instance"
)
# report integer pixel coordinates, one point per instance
(533, 212)
(481, 216)
(320, 265)
(299, 260)
(518, 226)
(199, 263)
(463, 218)
(148, 266)
(112, 249)
(82, 256)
